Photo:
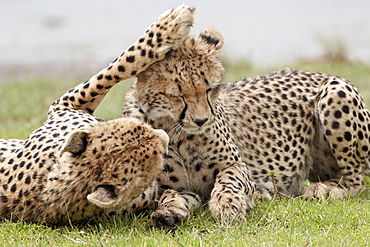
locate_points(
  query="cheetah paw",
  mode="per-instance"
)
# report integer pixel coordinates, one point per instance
(229, 207)
(164, 218)
(174, 25)
(262, 194)
(322, 191)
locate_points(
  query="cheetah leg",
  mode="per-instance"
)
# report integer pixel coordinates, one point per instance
(344, 119)
(174, 208)
(232, 195)
(167, 31)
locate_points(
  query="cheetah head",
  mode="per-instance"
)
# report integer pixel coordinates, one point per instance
(117, 160)
(180, 91)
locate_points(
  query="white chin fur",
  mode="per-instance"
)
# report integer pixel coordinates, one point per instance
(196, 131)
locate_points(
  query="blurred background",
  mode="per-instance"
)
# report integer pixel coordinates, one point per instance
(78, 37)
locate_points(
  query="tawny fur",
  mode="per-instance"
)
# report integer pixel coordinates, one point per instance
(248, 139)
(76, 165)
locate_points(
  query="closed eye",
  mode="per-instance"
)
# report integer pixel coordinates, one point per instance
(216, 86)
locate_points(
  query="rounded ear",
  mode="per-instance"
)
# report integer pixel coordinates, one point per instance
(212, 36)
(76, 143)
(103, 197)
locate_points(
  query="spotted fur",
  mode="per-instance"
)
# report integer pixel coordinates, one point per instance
(76, 165)
(246, 140)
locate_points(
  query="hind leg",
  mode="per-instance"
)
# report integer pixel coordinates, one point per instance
(344, 122)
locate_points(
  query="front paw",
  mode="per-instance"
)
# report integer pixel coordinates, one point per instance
(171, 28)
(230, 206)
(323, 190)
(176, 23)
(164, 218)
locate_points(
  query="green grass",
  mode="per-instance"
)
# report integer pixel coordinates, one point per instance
(282, 222)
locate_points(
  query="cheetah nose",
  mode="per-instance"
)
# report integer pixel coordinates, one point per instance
(200, 122)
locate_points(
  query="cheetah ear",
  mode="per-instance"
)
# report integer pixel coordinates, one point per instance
(212, 36)
(76, 143)
(103, 196)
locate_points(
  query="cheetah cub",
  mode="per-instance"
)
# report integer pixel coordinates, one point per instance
(76, 165)
(231, 143)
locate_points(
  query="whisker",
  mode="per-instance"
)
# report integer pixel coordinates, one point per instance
(175, 131)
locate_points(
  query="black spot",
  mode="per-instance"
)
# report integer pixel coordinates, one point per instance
(82, 102)
(198, 166)
(215, 172)
(345, 109)
(282, 168)
(338, 114)
(150, 54)
(13, 188)
(100, 77)
(360, 135)
(121, 68)
(341, 94)
(348, 136)
(361, 117)
(174, 179)
(3, 199)
(335, 125)
(19, 155)
(210, 166)
(93, 94)
(143, 53)
(131, 48)
(130, 59)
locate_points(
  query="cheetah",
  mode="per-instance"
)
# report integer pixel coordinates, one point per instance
(76, 166)
(231, 144)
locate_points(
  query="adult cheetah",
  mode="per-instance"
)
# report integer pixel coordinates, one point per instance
(76, 165)
(235, 142)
